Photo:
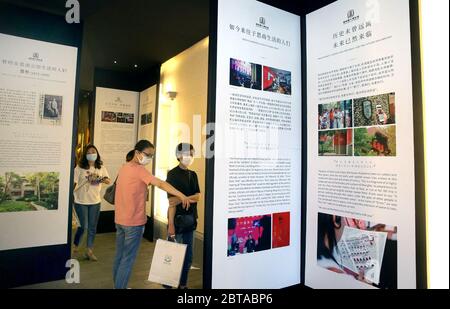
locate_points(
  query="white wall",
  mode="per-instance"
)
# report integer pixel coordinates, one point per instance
(436, 100)
(181, 119)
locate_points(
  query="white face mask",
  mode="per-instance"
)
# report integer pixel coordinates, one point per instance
(145, 160)
(91, 157)
(187, 161)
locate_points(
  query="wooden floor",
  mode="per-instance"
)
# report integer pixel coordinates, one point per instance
(98, 275)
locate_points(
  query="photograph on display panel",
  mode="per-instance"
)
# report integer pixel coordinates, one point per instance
(245, 74)
(362, 250)
(109, 116)
(376, 141)
(127, 118)
(281, 230)
(146, 119)
(50, 111)
(29, 191)
(375, 110)
(249, 234)
(338, 115)
(278, 81)
(336, 143)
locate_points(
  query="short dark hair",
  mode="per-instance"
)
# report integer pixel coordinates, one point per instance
(183, 147)
(83, 162)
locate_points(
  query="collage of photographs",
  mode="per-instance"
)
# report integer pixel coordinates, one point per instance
(362, 250)
(363, 127)
(258, 233)
(258, 77)
(127, 118)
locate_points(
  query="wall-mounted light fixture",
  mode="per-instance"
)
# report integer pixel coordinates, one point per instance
(172, 95)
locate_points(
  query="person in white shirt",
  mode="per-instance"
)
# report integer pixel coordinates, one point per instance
(89, 176)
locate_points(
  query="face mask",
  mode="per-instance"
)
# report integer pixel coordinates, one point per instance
(187, 161)
(145, 160)
(91, 157)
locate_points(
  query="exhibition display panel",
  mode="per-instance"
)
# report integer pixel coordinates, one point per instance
(363, 213)
(257, 147)
(122, 118)
(37, 96)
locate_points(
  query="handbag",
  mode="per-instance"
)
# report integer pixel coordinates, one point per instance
(110, 193)
(185, 222)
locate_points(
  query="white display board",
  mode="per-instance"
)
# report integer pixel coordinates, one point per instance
(37, 88)
(257, 181)
(360, 182)
(147, 120)
(115, 129)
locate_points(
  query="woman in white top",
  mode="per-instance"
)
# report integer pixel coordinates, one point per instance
(89, 176)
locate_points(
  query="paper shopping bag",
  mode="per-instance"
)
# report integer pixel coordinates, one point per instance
(75, 221)
(167, 263)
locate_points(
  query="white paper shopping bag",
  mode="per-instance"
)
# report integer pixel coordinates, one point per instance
(75, 220)
(167, 263)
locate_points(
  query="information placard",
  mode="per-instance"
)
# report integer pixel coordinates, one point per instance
(115, 129)
(361, 184)
(37, 89)
(256, 225)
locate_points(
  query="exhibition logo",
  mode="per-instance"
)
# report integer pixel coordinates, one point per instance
(118, 100)
(35, 57)
(168, 259)
(262, 23)
(351, 16)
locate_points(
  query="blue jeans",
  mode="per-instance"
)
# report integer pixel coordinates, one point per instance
(187, 239)
(128, 240)
(88, 216)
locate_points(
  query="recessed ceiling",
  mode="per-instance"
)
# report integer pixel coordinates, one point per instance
(138, 32)
(136, 35)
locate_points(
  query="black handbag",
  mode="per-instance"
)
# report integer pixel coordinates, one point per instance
(110, 193)
(186, 221)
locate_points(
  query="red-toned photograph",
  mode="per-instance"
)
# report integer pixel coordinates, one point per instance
(275, 80)
(281, 230)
